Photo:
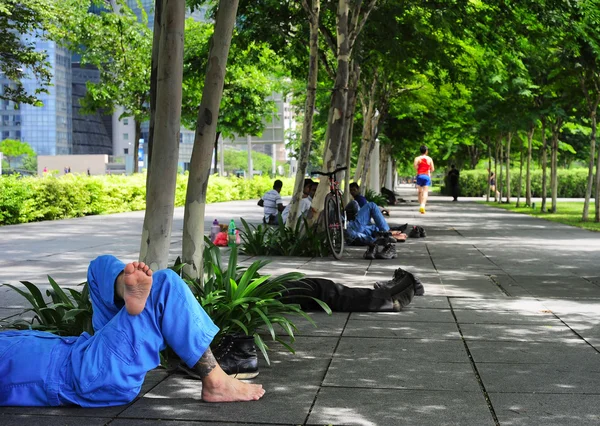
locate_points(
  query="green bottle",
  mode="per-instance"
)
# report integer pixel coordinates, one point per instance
(231, 234)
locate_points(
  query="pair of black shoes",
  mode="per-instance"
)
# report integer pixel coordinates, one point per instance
(236, 354)
(417, 232)
(401, 280)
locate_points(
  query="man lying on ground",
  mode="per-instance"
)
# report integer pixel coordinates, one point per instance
(136, 313)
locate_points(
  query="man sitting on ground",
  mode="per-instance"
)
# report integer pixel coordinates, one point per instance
(305, 201)
(360, 199)
(272, 203)
(136, 313)
(361, 231)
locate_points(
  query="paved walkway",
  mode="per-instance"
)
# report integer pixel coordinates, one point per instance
(507, 332)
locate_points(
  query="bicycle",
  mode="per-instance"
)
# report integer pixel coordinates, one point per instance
(335, 217)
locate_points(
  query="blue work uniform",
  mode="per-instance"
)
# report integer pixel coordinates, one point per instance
(361, 229)
(108, 368)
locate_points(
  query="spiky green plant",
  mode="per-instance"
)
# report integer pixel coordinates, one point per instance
(65, 315)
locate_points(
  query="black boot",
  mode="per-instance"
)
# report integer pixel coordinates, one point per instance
(236, 354)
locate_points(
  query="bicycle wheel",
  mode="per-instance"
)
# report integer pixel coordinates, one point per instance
(334, 225)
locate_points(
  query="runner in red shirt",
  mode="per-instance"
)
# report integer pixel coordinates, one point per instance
(424, 166)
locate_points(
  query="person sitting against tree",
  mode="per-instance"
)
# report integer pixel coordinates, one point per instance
(360, 230)
(272, 203)
(305, 201)
(136, 314)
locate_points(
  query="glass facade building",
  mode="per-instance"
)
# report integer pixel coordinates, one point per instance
(47, 128)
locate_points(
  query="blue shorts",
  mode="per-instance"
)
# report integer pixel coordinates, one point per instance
(423, 180)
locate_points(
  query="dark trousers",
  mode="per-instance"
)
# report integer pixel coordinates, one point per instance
(339, 297)
(454, 189)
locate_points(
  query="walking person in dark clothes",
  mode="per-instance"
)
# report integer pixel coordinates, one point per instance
(453, 176)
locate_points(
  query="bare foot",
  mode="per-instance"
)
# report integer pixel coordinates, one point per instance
(219, 387)
(134, 285)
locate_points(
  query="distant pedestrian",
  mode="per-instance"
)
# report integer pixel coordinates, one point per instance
(88, 172)
(66, 170)
(69, 169)
(424, 167)
(493, 185)
(45, 169)
(453, 176)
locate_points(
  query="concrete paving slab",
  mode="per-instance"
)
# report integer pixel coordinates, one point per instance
(518, 332)
(327, 325)
(521, 305)
(365, 350)
(363, 407)
(574, 352)
(291, 391)
(401, 330)
(408, 314)
(430, 302)
(395, 374)
(543, 409)
(472, 316)
(543, 378)
(24, 419)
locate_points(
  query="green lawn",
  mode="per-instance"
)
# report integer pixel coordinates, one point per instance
(568, 213)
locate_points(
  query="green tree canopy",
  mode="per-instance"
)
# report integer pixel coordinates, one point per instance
(14, 150)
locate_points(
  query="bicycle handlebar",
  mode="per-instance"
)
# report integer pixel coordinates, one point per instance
(329, 173)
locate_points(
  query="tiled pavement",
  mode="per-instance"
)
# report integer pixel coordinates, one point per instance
(507, 333)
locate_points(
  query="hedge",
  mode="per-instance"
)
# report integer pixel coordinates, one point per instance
(571, 183)
(31, 199)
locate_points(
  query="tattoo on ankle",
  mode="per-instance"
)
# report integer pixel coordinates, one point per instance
(206, 364)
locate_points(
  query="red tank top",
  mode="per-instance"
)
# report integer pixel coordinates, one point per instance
(423, 167)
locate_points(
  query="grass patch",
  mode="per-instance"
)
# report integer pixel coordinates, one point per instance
(568, 213)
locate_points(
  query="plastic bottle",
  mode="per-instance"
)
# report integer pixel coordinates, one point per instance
(214, 230)
(231, 233)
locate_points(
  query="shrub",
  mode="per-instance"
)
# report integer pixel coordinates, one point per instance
(30, 199)
(379, 199)
(571, 183)
(302, 240)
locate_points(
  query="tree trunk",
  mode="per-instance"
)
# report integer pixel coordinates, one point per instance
(136, 144)
(554, 172)
(489, 145)
(590, 179)
(544, 165)
(520, 174)
(309, 108)
(528, 177)
(352, 96)
(508, 141)
(339, 99)
(153, 75)
(216, 152)
(500, 180)
(160, 197)
(206, 129)
(597, 194)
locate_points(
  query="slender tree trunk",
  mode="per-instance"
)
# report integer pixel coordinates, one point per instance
(339, 100)
(137, 133)
(544, 165)
(216, 153)
(590, 179)
(508, 141)
(344, 176)
(528, 177)
(554, 172)
(520, 175)
(153, 75)
(489, 146)
(354, 77)
(160, 197)
(206, 129)
(309, 107)
(500, 181)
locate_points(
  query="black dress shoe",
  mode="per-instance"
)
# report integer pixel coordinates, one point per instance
(236, 354)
